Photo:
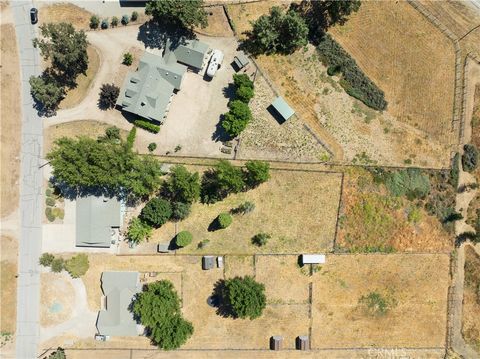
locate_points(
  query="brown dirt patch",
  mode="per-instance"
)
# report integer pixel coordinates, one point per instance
(64, 12)
(10, 113)
(217, 23)
(297, 208)
(418, 283)
(57, 298)
(372, 220)
(239, 266)
(471, 299)
(414, 65)
(87, 128)
(84, 82)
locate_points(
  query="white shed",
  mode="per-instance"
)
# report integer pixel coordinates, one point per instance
(313, 258)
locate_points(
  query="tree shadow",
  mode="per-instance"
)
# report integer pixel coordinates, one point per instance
(155, 35)
(220, 135)
(214, 225)
(219, 295)
(229, 91)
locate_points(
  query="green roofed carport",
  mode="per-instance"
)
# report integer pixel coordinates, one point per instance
(282, 108)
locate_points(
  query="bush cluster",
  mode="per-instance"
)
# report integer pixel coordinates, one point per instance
(469, 157)
(260, 239)
(224, 220)
(150, 127)
(354, 81)
(76, 266)
(183, 238)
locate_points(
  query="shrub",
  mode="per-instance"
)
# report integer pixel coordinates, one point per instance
(224, 220)
(469, 157)
(244, 94)
(127, 59)
(125, 20)
(108, 95)
(58, 213)
(411, 183)
(94, 22)
(114, 21)
(203, 244)
(134, 16)
(334, 70)
(156, 212)
(111, 134)
(244, 208)
(180, 211)
(138, 231)
(257, 172)
(104, 24)
(150, 127)
(49, 192)
(46, 259)
(376, 304)
(49, 214)
(414, 215)
(244, 297)
(242, 80)
(260, 239)
(50, 201)
(152, 146)
(57, 265)
(183, 238)
(354, 81)
(177, 148)
(77, 266)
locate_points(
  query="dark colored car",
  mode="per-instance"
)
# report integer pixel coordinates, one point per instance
(33, 15)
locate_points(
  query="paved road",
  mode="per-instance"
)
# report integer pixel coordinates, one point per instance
(30, 243)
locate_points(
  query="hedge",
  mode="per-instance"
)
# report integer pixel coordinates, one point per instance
(183, 239)
(150, 127)
(354, 81)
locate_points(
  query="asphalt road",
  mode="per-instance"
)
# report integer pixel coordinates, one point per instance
(30, 242)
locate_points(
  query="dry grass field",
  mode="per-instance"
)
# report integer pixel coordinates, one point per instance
(297, 208)
(64, 12)
(8, 271)
(84, 82)
(10, 113)
(87, 128)
(413, 64)
(373, 220)
(57, 298)
(418, 284)
(476, 117)
(353, 132)
(217, 23)
(471, 299)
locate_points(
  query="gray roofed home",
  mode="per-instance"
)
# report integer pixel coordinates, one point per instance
(147, 92)
(188, 52)
(95, 219)
(119, 289)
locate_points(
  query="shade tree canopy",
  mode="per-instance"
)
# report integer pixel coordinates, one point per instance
(185, 13)
(220, 181)
(182, 186)
(156, 212)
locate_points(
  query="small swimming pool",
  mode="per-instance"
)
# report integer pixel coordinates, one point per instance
(56, 307)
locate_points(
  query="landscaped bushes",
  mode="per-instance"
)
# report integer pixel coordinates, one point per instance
(224, 220)
(76, 266)
(354, 81)
(470, 157)
(183, 238)
(147, 126)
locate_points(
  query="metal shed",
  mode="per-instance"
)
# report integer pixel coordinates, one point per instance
(313, 258)
(208, 262)
(276, 342)
(282, 108)
(241, 60)
(302, 342)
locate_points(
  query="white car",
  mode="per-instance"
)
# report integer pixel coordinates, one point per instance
(215, 63)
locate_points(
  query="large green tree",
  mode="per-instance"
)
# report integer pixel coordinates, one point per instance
(46, 91)
(257, 172)
(83, 164)
(156, 212)
(187, 13)
(237, 119)
(158, 308)
(244, 297)
(182, 186)
(65, 48)
(220, 181)
(277, 32)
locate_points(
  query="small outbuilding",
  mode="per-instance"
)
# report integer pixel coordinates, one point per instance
(276, 342)
(208, 262)
(312, 258)
(282, 108)
(241, 60)
(302, 342)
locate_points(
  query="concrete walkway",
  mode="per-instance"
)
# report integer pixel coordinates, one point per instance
(30, 242)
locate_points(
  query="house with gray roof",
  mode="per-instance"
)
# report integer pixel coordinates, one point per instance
(98, 219)
(189, 52)
(115, 318)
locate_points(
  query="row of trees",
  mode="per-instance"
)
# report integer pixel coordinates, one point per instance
(76, 266)
(239, 114)
(66, 51)
(106, 165)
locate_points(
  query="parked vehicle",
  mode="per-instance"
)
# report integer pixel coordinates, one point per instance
(34, 15)
(215, 62)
